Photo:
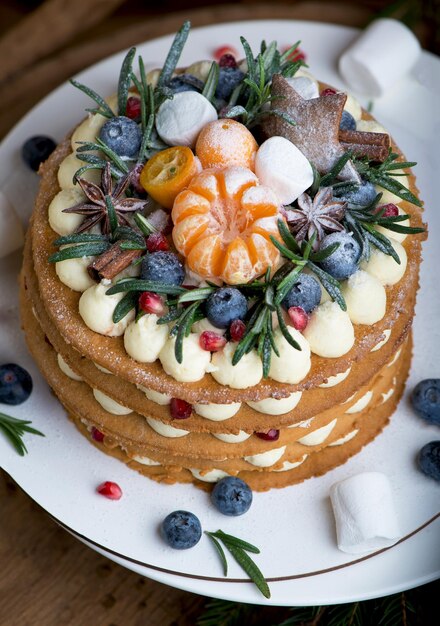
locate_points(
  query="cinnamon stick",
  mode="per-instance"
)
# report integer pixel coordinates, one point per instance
(374, 146)
(110, 263)
(372, 152)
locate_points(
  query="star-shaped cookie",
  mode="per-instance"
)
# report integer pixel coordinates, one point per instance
(317, 126)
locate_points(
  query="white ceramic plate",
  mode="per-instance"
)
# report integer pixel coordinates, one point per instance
(293, 527)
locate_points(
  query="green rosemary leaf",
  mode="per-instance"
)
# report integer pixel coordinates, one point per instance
(287, 236)
(249, 59)
(136, 284)
(399, 228)
(79, 238)
(319, 256)
(124, 306)
(120, 164)
(220, 551)
(330, 284)
(84, 169)
(144, 225)
(271, 336)
(129, 234)
(285, 56)
(104, 108)
(380, 241)
(285, 331)
(196, 294)
(236, 111)
(289, 69)
(79, 251)
(174, 55)
(244, 346)
(14, 438)
(112, 217)
(184, 327)
(259, 323)
(250, 567)
(314, 188)
(396, 187)
(146, 137)
(124, 81)
(98, 163)
(328, 178)
(171, 316)
(286, 252)
(132, 245)
(269, 297)
(266, 356)
(14, 428)
(211, 82)
(286, 284)
(235, 541)
(307, 249)
(400, 165)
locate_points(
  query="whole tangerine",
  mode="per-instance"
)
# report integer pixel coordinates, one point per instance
(224, 143)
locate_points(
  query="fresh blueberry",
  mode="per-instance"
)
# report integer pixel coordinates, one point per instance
(162, 267)
(362, 195)
(181, 530)
(347, 121)
(426, 400)
(36, 150)
(229, 78)
(306, 293)
(429, 459)
(185, 82)
(226, 305)
(15, 384)
(343, 262)
(232, 496)
(122, 135)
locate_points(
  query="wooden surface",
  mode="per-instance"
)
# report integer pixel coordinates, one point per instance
(47, 577)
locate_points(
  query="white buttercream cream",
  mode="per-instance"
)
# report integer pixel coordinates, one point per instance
(65, 223)
(217, 412)
(332, 381)
(342, 440)
(370, 126)
(353, 107)
(361, 404)
(227, 438)
(306, 87)
(329, 332)
(145, 338)
(155, 396)
(73, 273)
(365, 297)
(266, 459)
(387, 395)
(395, 357)
(96, 309)
(110, 405)
(318, 436)
(69, 166)
(66, 369)
(205, 324)
(384, 267)
(101, 369)
(195, 361)
(277, 406)
(391, 233)
(211, 476)
(88, 130)
(292, 365)
(303, 424)
(144, 460)
(165, 429)
(288, 465)
(247, 373)
(382, 342)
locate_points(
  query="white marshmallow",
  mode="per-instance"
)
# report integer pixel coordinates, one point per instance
(385, 52)
(365, 297)
(11, 229)
(180, 120)
(364, 512)
(383, 267)
(96, 310)
(304, 86)
(65, 223)
(329, 332)
(282, 167)
(145, 338)
(276, 406)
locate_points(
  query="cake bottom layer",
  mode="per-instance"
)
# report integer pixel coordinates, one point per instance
(367, 424)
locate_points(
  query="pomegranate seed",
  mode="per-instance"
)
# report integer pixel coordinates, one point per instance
(237, 330)
(180, 409)
(328, 92)
(227, 61)
(133, 109)
(389, 210)
(151, 303)
(223, 51)
(298, 317)
(157, 242)
(271, 435)
(97, 435)
(211, 342)
(110, 490)
(295, 55)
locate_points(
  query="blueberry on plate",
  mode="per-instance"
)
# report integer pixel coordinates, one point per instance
(361, 196)
(231, 496)
(306, 293)
(181, 530)
(15, 384)
(162, 267)
(186, 82)
(122, 135)
(429, 459)
(228, 79)
(343, 262)
(36, 150)
(226, 305)
(347, 121)
(425, 399)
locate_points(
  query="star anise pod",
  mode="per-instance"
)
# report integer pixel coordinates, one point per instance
(316, 216)
(95, 207)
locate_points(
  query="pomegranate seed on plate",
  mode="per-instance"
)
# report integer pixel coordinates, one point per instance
(298, 317)
(180, 409)
(227, 61)
(110, 490)
(157, 242)
(151, 303)
(133, 109)
(237, 330)
(328, 92)
(389, 210)
(97, 435)
(222, 50)
(271, 435)
(211, 341)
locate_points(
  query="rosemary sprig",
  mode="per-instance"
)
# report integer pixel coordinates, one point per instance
(99, 145)
(211, 82)
(14, 430)
(137, 284)
(239, 549)
(93, 248)
(173, 55)
(103, 108)
(125, 80)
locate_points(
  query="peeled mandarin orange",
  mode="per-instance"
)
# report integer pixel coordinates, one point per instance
(167, 173)
(223, 222)
(224, 143)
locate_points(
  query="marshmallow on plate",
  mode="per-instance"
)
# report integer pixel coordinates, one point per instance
(282, 167)
(364, 513)
(180, 120)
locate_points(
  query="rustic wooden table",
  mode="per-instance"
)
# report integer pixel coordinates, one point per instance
(48, 577)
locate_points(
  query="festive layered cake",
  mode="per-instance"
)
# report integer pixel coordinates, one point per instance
(221, 269)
